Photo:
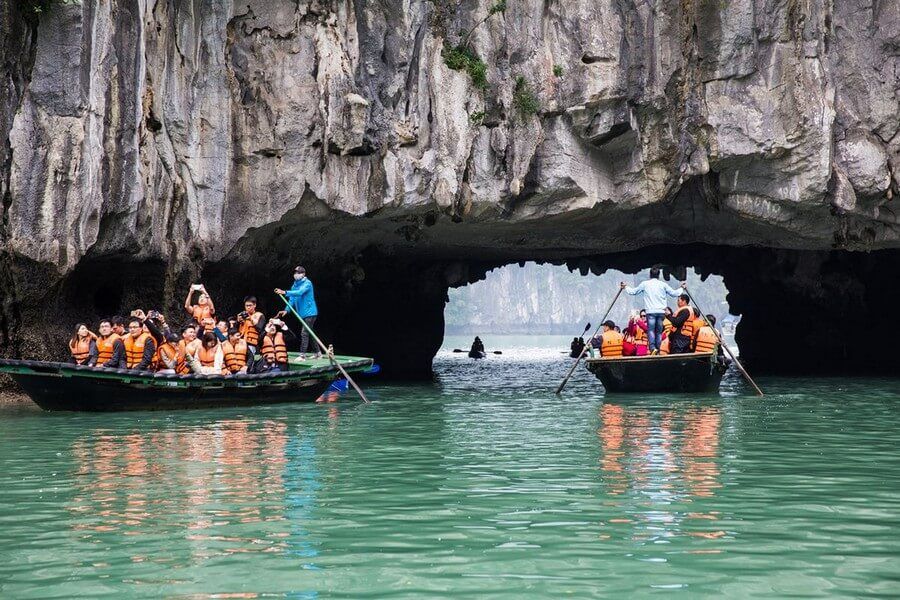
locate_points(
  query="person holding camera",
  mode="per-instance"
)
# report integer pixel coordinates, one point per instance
(250, 323)
(204, 309)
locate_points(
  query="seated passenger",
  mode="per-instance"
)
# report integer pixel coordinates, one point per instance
(251, 323)
(221, 330)
(210, 360)
(110, 349)
(140, 349)
(118, 326)
(667, 321)
(273, 348)
(204, 307)
(610, 341)
(683, 327)
(707, 340)
(82, 346)
(634, 342)
(208, 324)
(237, 352)
(169, 358)
(576, 348)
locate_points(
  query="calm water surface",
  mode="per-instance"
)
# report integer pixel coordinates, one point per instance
(484, 484)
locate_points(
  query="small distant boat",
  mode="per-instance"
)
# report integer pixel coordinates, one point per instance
(477, 354)
(64, 386)
(669, 373)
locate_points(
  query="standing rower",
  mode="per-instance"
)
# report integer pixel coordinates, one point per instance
(303, 299)
(654, 292)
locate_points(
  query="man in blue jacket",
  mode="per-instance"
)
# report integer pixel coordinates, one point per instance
(302, 298)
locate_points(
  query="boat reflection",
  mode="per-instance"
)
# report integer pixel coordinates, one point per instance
(233, 487)
(660, 468)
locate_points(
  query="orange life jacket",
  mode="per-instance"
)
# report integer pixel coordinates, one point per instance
(207, 356)
(699, 323)
(687, 328)
(667, 326)
(706, 340)
(182, 368)
(201, 312)
(274, 350)
(235, 355)
(105, 348)
(611, 344)
(170, 351)
(249, 332)
(640, 336)
(81, 349)
(134, 349)
(664, 346)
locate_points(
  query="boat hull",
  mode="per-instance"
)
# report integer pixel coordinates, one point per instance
(671, 373)
(64, 387)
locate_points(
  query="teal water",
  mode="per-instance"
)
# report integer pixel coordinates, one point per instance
(482, 485)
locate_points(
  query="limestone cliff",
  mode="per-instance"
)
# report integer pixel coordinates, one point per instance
(186, 134)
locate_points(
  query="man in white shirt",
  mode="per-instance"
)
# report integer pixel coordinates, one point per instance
(654, 292)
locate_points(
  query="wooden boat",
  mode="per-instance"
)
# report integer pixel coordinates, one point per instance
(64, 386)
(696, 372)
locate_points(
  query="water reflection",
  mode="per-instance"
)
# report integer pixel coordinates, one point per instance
(655, 462)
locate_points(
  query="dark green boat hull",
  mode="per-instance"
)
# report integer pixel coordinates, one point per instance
(671, 373)
(60, 386)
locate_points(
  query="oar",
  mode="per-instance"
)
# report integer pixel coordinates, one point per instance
(586, 327)
(727, 349)
(586, 346)
(329, 354)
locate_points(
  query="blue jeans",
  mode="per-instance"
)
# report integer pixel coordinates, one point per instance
(654, 330)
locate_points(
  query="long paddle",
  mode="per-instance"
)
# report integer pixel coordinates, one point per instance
(327, 352)
(583, 350)
(727, 349)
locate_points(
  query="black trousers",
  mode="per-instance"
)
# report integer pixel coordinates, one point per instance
(304, 335)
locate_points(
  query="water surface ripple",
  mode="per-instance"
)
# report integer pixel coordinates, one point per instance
(484, 484)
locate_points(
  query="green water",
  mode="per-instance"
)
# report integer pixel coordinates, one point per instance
(482, 485)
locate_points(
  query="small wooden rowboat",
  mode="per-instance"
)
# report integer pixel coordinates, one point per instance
(696, 372)
(63, 386)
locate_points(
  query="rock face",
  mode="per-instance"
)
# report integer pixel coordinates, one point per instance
(190, 137)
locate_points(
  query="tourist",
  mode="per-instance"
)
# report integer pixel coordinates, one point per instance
(221, 330)
(209, 357)
(110, 349)
(204, 307)
(189, 343)
(706, 338)
(683, 327)
(273, 348)
(667, 322)
(168, 356)
(83, 345)
(303, 300)
(577, 347)
(236, 352)
(610, 341)
(140, 349)
(118, 326)
(251, 323)
(635, 336)
(654, 292)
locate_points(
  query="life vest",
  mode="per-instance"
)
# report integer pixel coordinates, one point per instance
(276, 351)
(105, 348)
(170, 351)
(134, 349)
(249, 332)
(611, 344)
(667, 326)
(201, 312)
(235, 355)
(81, 349)
(698, 324)
(640, 336)
(706, 340)
(664, 346)
(182, 368)
(207, 356)
(687, 328)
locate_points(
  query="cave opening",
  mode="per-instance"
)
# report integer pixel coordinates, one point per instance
(527, 302)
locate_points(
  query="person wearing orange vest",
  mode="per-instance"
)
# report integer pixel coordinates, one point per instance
(250, 323)
(118, 326)
(273, 348)
(82, 346)
(610, 341)
(706, 338)
(683, 327)
(110, 349)
(169, 358)
(236, 352)
(140, 348)
(209, 358)
(204, 308)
